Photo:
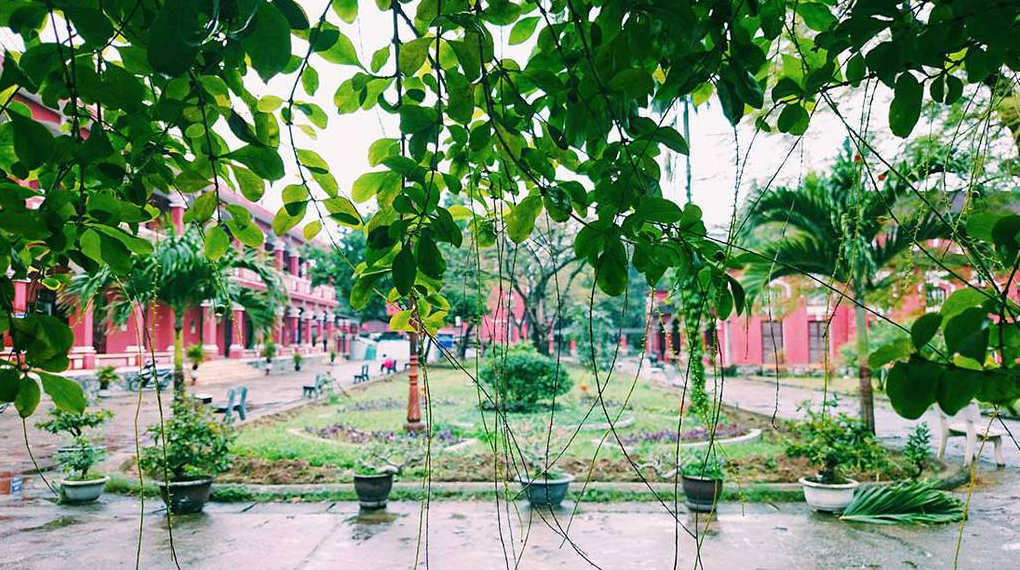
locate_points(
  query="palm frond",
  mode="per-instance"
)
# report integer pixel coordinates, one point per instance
(909, 502)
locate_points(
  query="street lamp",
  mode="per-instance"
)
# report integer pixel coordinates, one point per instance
(414, 422)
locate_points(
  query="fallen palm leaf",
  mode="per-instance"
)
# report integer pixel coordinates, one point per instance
(910, 502)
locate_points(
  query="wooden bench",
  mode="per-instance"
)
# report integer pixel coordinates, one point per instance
(362, 376)
(241, 407)
(968, 426)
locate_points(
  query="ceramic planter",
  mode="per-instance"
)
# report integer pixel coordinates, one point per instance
(373, 490)
(77, 492)
(702, 493)
(184, 497)
(546, 492)
(828, 498)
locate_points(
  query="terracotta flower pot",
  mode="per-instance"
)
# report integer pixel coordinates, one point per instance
(702, 493)
(185, 497)
(828, 498)
(373, 490)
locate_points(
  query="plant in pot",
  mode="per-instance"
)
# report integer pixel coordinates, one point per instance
(81, 485)
(188, 452)
(196, 356)
(834, 444)
(332, 357)
(541, 483)
(297, 362)
(106, 375)
(269, 353)
(379, 463)
(701, 476)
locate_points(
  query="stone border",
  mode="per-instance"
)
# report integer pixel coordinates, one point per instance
(625, 422)
(748, 437)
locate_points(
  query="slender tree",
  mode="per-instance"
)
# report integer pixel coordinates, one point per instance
(180, 275)
(842, 227)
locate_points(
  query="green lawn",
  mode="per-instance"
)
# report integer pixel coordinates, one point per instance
(299, 446)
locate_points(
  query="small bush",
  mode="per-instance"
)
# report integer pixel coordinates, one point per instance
(196, 445)
(918, 449)
(835, 444)
(520, 375)
(195, 354)
(106, 376)
(73, 424)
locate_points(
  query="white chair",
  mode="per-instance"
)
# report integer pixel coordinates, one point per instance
(967, 423)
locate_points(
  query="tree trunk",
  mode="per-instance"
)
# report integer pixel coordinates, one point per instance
(867, 399)
(540, 338)
(178, 354)
(462, 349)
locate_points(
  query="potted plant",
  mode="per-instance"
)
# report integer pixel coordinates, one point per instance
(545, 487)
(833, 444)
(269, 353)
(106, 376)
(188, 452)
(297, 361)
(81, 485)
(379, 463)
(701, 477)
(196, 355)
(332, 357)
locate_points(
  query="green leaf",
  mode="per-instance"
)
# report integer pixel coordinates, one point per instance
(855, 69)
(960, 300)
(284, 220)
(264, 162)
(967, 333)
(521, 220)
(816, 15)
(252, 186)
(382, 149)
(312, 229)
(794, 120)
(905, 109)
(346, 9)
(373, 183)
(342, 52)
(342, 211)
(957, 388)
(216, 242)
(912, 387)
(924, 329)
(202, 209)
(413, 54)
(28, 397)
(310, 80)
(612, 268)
(65, 393)
(175, 36)
(899, 349)
(91, 24)
(33, 142)
(405, 271)
(523, 30)
(10, 383)
(430, 259)
(379, 58)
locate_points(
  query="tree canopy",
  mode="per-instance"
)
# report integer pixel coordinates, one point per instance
(158, 96)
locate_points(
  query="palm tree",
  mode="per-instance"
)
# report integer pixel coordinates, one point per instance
(179, 275)
(840, 227)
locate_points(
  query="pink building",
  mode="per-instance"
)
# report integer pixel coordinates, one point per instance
(309, 324)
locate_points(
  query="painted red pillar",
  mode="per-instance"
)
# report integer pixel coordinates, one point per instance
(294, 263)
(209, 345)
(83, 339)
(177, 208)
(292, 325)
(306, 331)
(278, 256)
(236, 349)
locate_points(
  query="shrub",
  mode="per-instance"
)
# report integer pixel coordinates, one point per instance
(73, 424)
(195, 354)
(269, 350)
(520, 375)
(195, 445)
(701, 464)
(79, 459)
(106, 376)
(835, 444)
(917, 451)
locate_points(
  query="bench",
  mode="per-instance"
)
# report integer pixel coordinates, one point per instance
(361, 376)
(969, 429)
(145, 376)
(241, 407)
(315, 390)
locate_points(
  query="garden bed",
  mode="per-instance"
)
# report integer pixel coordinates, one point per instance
(321, 442)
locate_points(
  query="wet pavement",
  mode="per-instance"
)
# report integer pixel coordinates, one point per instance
(37, 535)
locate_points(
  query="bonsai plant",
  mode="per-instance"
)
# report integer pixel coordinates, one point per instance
(378, 464)
(196, 355)
(81, 485)
(833, 444)
(269, 353)
(702, 475)
(106, 376)
(188, 452)
(297, 361)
